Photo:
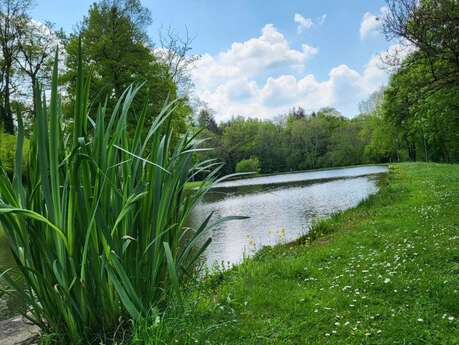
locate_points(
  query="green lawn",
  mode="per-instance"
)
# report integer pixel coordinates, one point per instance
(385, 272)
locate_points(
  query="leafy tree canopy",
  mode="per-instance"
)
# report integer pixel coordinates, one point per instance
(119, 53)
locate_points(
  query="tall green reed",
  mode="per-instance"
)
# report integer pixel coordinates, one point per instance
(97, 226)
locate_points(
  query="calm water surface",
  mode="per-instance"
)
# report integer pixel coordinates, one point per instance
(281, 207)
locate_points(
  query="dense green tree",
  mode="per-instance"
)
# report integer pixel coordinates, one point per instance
(382, 140)
(422, 99)
(207, 120)
(268, 147)
(238, 141)
(427, 119)
(307, 139)
(119, 53)
(346, 145)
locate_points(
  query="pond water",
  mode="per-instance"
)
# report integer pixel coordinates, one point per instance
(281, 207)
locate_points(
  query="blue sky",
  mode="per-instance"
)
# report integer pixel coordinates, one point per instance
(257, 59)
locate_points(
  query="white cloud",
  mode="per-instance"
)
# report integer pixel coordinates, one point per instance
(371, 23)
(268, 50)
(303, 23)
(232, 82)
(322, 19)
(247, 59)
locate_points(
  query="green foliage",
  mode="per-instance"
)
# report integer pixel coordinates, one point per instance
(118, 51)
(238, 140)
(248, 165)
(307, 140)
(426, 118)
(346, 144)
(382, 273)
(97, 227)
(422, 99)
(8, 152)
(299, 141)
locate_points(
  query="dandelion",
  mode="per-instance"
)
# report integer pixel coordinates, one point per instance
(387, 280)
(420, 320)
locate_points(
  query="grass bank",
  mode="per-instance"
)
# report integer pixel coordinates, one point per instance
(385, 272)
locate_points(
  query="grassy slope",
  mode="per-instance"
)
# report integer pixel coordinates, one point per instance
(386, 273)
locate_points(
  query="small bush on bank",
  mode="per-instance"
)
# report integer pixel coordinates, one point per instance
(248, 165)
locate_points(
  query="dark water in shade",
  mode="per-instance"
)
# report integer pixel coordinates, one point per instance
(281, 207)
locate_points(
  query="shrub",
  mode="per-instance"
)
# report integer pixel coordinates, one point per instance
(98, 228)
(8, 151)
(248, 165)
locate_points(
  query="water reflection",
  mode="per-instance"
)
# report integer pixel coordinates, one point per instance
(307, 176)
(279, 212)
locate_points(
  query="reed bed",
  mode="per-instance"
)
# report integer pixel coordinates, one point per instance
(97, 226)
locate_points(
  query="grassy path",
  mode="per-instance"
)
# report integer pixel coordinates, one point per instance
(383, 273)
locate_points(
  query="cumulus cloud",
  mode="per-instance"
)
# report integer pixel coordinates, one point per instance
(303, 23)
(231, 82)
(247, 59)
(371, 23)
(268, 50)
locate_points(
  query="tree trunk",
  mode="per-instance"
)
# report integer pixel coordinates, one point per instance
(412, 152)
(8, 122)
(33, 79)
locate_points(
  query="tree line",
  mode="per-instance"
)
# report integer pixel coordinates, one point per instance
(295, 141)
